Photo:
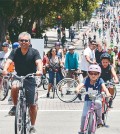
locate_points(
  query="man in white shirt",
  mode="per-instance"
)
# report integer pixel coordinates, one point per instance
(88, 57)
(4, 54)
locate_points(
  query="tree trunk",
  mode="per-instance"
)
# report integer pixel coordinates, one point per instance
(3, 29)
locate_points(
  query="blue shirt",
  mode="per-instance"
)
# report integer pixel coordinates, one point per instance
(72, 61)
(96, 86)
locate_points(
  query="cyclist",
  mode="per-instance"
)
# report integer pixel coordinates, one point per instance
(92, 82)
(108, 72)
(112, 54)
(27, 60)
(53, 62)
(72, 62)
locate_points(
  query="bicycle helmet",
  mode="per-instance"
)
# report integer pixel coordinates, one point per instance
(105, 56)
(15, 45)
(95, 68)
(57, 43)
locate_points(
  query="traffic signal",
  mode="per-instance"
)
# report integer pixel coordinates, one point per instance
(59, 19)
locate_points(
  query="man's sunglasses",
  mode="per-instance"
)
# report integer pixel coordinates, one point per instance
(90, 73)
(23, 40)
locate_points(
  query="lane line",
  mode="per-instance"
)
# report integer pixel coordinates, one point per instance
(61, 110)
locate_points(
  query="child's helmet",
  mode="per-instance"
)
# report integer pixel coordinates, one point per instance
(95, 68)
(105, 56)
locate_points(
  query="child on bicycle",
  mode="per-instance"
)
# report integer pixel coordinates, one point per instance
(92, 82)
(108, 72)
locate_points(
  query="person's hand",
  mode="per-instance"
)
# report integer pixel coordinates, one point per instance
(39, 73)
(77, 91)
(66, 71)
(108, 94)
(116, 81)
(4, 72)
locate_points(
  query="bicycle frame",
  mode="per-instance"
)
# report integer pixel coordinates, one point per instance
(94, 123)
(91, 111)
(22, 118)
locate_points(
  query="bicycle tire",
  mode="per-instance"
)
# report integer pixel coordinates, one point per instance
(90, 123)
(45, 83)
(4, 90)
(104, 115)
(53, 91)
(66, 90)
(19, 118)
(115, 92)
(27, 122)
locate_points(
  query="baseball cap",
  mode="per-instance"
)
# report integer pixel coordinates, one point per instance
(5, 44)
(71, 47)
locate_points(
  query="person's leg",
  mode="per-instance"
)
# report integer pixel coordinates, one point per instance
(86, 107)
(98, 104)
(51, 80)
(31, 99)
(14, 94)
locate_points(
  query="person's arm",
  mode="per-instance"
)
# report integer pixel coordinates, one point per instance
(114, 61)
(79, 87)
(38, 62)
(39, 65)
(88, 59)
(105, 90)
(6, 66)
(66, 62)
(115, 78)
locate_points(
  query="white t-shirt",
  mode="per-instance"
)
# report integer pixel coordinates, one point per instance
(84, 63)
(3, 57)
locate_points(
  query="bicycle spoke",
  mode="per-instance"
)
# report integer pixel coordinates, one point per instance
(66, 90)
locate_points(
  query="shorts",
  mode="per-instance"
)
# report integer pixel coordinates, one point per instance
(30, 90)
(51, 77)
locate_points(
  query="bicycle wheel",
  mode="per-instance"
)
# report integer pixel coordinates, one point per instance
(66, 90)
(90, 123)
(45, 83)
(53, 92)
(27, 121)
(4, 89)
(19, 118)
(105, 113)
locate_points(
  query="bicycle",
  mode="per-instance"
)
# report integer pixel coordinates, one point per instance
(6, 82)
(43, 81)
(66, 88)
(22, 117)
(90, 124)
(113, 91)
(105, 109)
(54, 86)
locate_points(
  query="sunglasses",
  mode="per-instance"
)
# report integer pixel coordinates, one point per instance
(90, 73)
(24, 40)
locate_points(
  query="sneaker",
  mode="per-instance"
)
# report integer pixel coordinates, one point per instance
(12, 111)
(79, 97)
(48, 94)
(100, 125)
(32, 130)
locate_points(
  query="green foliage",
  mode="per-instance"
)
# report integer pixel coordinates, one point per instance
(20, 14)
